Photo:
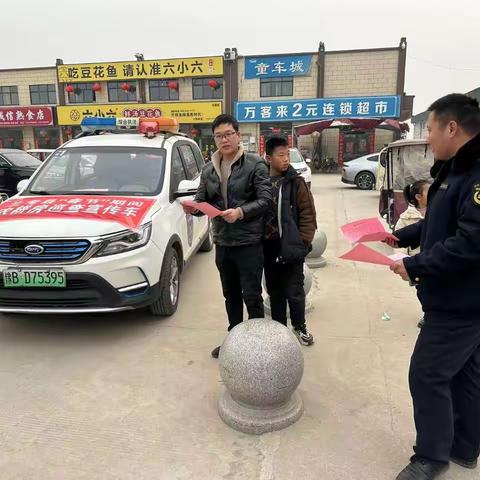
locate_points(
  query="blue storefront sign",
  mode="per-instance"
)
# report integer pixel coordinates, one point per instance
(282, 66)
(318, 109)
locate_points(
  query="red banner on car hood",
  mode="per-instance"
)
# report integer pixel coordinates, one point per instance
(128, 211)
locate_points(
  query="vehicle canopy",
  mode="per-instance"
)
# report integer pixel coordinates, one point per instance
(401, 163)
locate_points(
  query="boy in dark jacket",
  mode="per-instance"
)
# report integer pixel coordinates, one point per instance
(289, 230)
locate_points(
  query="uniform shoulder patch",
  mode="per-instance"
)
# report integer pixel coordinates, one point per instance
(476, 194)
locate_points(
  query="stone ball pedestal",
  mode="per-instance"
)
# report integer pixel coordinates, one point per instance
(319, 245)
(307, 286)
(261, 365)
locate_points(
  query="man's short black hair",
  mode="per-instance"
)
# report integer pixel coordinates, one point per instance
(225, 119)
(460, 108)
(274, 142)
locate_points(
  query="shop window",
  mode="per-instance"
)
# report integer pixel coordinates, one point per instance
(117, 94)
(9, 96)
(276, 87)
(43, 94)
(160, 90)
(11, 138)
(46, 137)
(203, 88)
(82, 93)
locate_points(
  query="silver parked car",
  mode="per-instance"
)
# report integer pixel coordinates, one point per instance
(361, 171)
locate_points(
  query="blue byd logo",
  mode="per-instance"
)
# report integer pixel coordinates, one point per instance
(34, 249)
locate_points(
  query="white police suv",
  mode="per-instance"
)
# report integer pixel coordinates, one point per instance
(99, 227)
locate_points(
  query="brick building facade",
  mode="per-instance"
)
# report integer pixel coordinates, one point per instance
(196, 90)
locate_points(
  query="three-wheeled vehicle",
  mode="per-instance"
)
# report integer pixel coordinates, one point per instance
(401, 163)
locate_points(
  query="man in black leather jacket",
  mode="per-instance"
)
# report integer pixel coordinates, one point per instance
(237, 183)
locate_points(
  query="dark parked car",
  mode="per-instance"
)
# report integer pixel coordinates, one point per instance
(15, 165)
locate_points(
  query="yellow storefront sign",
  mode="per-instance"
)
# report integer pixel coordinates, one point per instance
(147, 69)
(185, 112)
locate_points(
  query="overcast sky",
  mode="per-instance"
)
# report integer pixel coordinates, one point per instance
(443, 37)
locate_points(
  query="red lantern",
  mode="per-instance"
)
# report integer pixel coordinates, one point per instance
(213, 84)
(69, 89)
(125, 87)
(96, 87)
(172, 85)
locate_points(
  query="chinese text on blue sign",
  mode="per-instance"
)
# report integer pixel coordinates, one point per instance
(284, 66)
(318, 109)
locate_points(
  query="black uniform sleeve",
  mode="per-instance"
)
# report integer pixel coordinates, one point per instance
(263, 191)
(457, 253)
(409, 237)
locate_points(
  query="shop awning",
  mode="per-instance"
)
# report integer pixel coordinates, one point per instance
(360, 123)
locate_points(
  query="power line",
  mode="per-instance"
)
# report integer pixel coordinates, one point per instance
(446, 67)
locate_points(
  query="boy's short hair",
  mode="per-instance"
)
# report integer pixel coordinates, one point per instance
(274, 142)
(225, 119)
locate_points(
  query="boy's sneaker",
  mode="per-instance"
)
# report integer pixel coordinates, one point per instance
(303, 335)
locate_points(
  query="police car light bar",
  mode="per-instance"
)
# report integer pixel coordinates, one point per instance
(148, 126)
(92, 124)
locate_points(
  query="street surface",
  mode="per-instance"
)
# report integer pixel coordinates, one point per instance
(131, 397)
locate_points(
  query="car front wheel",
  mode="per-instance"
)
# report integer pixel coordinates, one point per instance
(169, 286)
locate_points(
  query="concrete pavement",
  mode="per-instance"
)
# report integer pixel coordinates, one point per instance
(133, 397)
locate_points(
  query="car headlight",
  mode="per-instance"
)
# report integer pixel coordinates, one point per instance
(302, 170)
(125, 241)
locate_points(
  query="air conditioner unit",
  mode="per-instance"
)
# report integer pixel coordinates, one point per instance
(230, 54)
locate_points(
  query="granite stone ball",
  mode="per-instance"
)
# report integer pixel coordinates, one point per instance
(319, 244)
(261, 363)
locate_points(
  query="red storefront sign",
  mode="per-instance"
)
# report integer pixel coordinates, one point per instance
(341, 148)
(128, 211)
(26, 116)
(261, 146)
(371, 141)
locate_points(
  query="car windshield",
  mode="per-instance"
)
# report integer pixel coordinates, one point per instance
(101, 170)
(22, 159)
(295, 156)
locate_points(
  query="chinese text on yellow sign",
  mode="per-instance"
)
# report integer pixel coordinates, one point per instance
(148, 69)
(185, 112)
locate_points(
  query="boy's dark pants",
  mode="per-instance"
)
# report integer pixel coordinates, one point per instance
(284, 283)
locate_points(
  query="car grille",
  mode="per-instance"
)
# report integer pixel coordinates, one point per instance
(64, 251)
(72, 284)
(79, 293)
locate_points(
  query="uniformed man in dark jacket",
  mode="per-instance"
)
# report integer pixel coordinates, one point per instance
(445, 366)
(237, 183)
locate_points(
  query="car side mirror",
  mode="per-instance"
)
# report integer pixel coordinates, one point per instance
(22, 185)
(186, 188)
(308, 160)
